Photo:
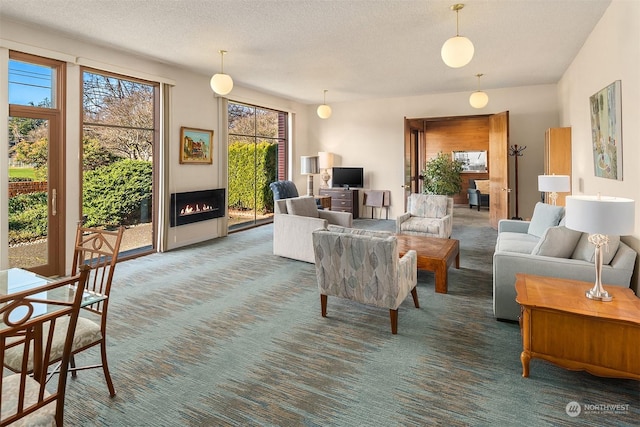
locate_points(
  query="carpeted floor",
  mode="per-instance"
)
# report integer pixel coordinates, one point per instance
(225, 333)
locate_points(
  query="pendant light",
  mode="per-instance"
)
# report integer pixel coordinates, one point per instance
(457, 51)
(324, 111)
(479, 99)
(221, 83)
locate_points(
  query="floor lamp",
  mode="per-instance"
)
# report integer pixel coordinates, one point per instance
(600, 216)
(554, 184)
(309, 167)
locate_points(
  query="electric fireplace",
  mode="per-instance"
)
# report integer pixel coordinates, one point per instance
(195, 206)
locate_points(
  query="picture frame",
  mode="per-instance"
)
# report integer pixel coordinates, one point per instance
(606, 131)
(196, 146)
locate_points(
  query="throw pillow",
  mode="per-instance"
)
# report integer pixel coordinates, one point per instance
(544, 216)
(302, 206)
(558, 242)
(483, 185)
(586, 251)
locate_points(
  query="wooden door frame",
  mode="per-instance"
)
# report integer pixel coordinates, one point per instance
(502, 187)
(56, 165)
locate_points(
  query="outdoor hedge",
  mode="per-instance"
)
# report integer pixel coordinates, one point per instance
(251, 165)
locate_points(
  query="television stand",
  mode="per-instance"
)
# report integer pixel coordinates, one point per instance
(343, 200)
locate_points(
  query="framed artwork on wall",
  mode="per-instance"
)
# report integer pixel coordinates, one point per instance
(606, 131)
(196, 146)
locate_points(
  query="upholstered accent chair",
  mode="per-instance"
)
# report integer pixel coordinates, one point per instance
(294, 220)
(364, 266)
(478, 193)
(283, 189)
(427, 215)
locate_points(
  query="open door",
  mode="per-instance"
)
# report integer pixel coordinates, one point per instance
(499, 167)
(411, 169)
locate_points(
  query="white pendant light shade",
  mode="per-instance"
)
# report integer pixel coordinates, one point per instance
(324, 111)
(457, 51)
(479, 99)
(221, 83)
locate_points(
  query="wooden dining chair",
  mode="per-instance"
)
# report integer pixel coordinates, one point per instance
(97, 249)
(25, 323)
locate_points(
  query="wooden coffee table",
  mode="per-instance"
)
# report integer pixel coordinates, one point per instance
(434, 254)
(559, 324)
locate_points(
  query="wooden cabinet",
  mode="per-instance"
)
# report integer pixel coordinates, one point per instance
(557, 156)
(343, 200)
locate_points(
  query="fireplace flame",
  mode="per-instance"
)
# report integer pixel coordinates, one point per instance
(195, 209)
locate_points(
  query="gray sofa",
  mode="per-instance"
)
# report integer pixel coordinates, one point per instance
(295, 219)
(547, 248)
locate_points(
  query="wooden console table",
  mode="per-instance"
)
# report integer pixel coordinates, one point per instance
(560, 325)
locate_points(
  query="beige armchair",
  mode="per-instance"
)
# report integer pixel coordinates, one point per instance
(364, 266)
(295, 219)
(427, 215)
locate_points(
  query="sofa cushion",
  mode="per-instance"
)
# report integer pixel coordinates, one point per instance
(483, 185)
(359, 231)
(428, 205)
(544, 216)
(302, 206)
(586, 251)
(516, 242)
(558, 242)
(421, 225)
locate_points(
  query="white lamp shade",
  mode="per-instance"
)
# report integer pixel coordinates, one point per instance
(479, 99)
(324, 111)
(457, 51)
(612, 216)
(557, 183)
(309, 165)
(221, 84)
(325, 160)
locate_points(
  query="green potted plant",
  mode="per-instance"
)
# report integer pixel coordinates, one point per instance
(442, 175)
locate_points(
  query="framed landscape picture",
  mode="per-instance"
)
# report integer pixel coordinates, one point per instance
(196, 146)
(606, 131)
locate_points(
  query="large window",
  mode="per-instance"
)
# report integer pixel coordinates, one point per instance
(257, 157)
(119, 141)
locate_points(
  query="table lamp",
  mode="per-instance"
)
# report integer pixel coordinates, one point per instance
(309, 167)
(554, 184)
(600, 216)
(325, 161)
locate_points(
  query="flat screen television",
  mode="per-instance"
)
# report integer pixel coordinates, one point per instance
(344, 177)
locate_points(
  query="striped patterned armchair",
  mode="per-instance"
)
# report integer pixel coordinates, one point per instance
(364, 266)
(427, 215)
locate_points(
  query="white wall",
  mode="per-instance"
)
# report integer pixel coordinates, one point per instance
(611, 52)
(371, 134)
(192, 104)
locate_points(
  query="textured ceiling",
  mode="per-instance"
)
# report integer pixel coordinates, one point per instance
(356, 49)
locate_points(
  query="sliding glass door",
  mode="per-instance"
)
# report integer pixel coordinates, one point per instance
(257, 156)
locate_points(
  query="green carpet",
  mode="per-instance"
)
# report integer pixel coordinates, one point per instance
(225, 333)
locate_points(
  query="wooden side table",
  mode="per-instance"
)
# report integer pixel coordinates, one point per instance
(325, 201)
(560, 325)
